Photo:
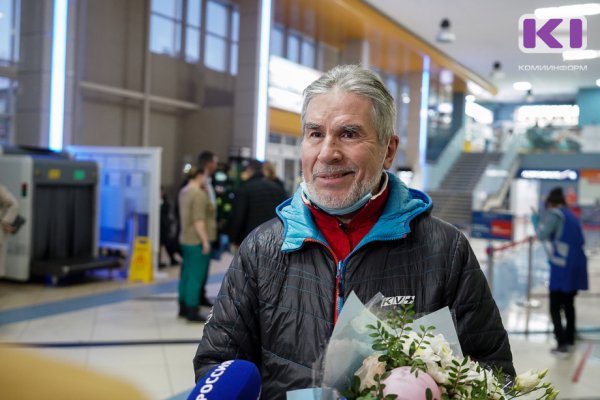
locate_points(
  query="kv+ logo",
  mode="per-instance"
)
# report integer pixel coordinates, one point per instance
(553, 35)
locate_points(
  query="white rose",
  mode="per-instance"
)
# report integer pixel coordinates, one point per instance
(473, 375)
(370, 367)
(440, 346)
(527, 381)
(439, 374)
(427, 355)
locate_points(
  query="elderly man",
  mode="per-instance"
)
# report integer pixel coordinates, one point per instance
(351, 226)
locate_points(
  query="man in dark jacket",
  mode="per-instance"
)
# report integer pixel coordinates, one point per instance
(254, 202)
(351, 226)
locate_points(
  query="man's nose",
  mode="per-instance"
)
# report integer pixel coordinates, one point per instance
(330, 151)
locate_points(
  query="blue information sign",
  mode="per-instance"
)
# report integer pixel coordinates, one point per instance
(491, 225)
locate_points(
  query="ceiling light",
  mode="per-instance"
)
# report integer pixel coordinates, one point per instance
(497, 72)
(523, 85)
(470, 98)
(446, 77)
(575, 10)
(445, 35)
(597, 82)
(572, 55)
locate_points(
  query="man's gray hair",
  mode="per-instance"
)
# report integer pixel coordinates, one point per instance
(358, 80)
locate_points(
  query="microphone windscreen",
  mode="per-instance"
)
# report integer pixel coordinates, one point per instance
(230, 380)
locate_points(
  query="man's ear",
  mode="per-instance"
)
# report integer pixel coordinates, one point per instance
(390, 151)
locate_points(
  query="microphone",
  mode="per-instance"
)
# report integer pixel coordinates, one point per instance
(230, 380)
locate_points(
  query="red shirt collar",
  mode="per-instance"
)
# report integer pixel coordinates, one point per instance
(344, 237)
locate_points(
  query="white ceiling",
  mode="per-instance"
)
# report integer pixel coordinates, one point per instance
(487, 31)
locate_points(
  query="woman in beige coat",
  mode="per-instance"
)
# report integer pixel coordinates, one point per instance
(9, 208)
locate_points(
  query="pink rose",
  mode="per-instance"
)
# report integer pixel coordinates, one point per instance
(407, 386)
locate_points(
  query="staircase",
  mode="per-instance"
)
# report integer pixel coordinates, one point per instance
(452, 201)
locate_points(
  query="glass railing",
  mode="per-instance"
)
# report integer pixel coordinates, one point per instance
(435, 172)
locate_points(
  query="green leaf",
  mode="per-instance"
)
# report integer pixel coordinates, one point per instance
(428, 394)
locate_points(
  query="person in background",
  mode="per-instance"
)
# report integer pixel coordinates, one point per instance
(269, 173)
(254, 202)
(209, 162)
(568, 265)
(198, 229)
(351, 227)
(9, 208)
(168, 229)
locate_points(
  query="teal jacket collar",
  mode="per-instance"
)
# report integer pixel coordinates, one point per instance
(402, 206)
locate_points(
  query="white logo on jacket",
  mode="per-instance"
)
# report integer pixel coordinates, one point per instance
(395, 300)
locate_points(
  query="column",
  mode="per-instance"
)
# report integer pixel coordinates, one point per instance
(34, 73)
(416, 144)
(33, 106)
(246, 101)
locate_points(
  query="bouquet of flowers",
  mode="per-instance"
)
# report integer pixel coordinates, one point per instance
(411, 360)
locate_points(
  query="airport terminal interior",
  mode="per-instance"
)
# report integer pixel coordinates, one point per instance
(105, 105)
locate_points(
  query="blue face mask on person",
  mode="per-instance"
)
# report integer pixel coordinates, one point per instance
(338, 211)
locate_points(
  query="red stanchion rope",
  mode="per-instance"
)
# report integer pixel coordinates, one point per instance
(511, 244)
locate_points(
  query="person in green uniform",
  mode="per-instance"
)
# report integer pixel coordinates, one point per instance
(198, 229)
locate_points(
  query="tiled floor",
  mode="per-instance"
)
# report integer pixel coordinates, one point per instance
(130, 330)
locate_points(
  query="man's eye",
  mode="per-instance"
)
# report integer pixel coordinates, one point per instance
(349, 134)
(314, 134)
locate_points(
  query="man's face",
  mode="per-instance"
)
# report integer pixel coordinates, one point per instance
(342, 158)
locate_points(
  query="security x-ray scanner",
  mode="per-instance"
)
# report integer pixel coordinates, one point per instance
(58, 198)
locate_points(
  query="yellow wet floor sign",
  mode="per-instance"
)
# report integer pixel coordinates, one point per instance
(140, 266)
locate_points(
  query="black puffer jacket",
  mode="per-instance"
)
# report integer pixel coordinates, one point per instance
(276, 304)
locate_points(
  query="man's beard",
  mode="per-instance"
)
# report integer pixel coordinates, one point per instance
(356, 192)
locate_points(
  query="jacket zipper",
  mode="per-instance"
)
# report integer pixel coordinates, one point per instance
(339, 289)
(339, 281)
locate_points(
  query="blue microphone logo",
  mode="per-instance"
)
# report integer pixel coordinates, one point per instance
(229, 380)
(212, 379)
